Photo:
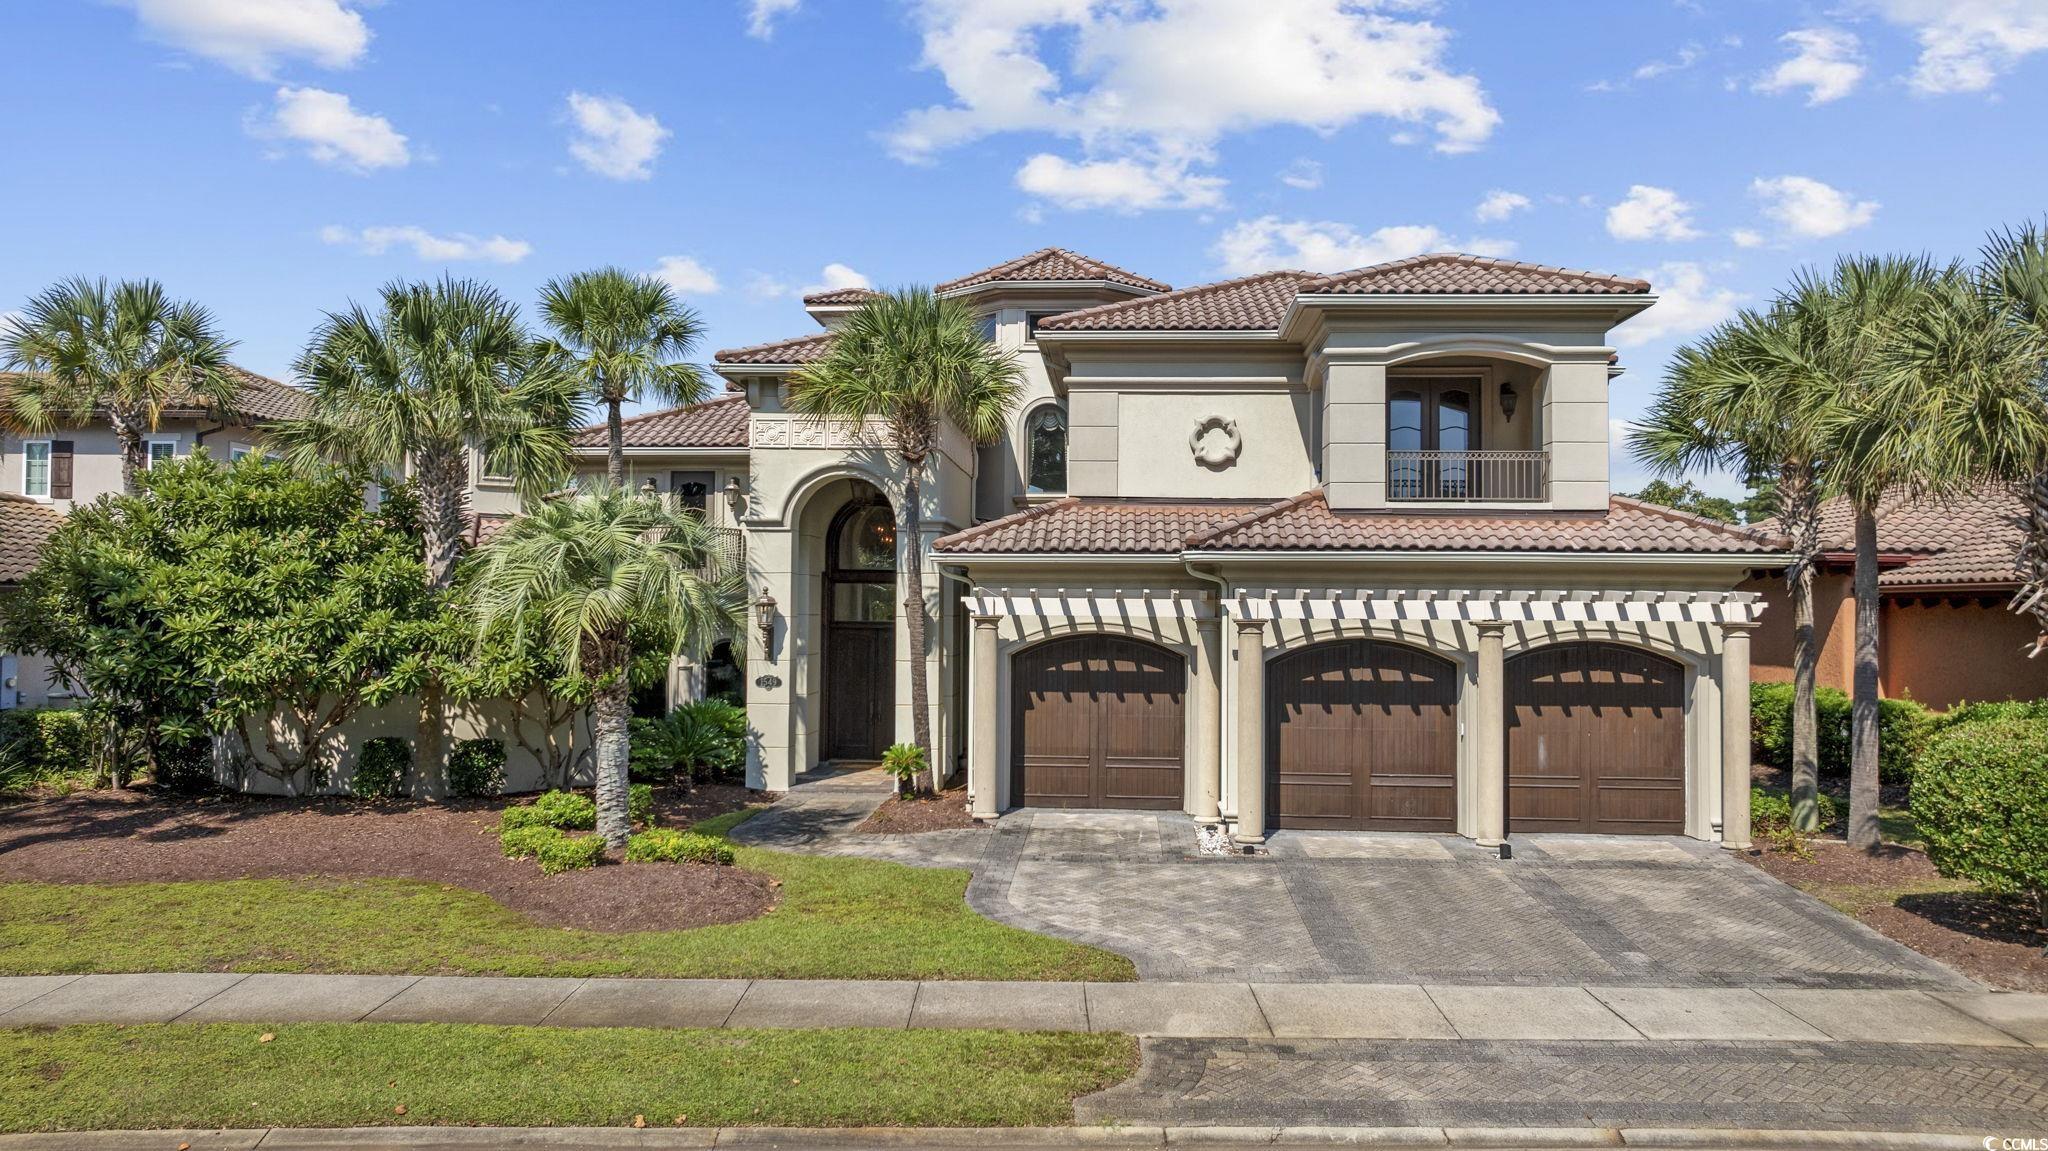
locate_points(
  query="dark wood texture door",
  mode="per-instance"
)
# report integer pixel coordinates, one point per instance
(1361, 734)
(1596, 740)
(860, 689)
(1097, 721)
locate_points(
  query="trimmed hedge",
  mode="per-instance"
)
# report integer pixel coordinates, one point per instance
(564, 810)
(525, 841)
(1903, 729)
(667, 845)
(570, 853)
(1981, 803)
(639, 804)
(477, 767)
(40, 743)
(381, 767)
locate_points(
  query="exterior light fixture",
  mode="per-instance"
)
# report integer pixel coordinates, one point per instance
(648, 490)
(735, 498)
(764, 619)
(1508, 399)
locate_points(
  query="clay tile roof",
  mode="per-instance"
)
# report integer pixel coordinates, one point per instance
(1306, 523)
(1454, 273)
(1251, 303)
(260, 399)
(1122, 527)
(1051, 264)
(838, 296)
(1967, 539)
(719, 423)
(24, 526)
(801, 350)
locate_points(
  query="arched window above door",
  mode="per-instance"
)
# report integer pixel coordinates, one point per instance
(1045, 446)
(866, 540)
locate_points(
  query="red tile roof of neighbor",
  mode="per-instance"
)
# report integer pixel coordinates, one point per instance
(260, 398)
(1971, 539)
(1251, 303)
(1306, 523)
(1455, 273)
(838, 296)
(801, 350)
(25, 525)
(718, 423)
(1048, 265)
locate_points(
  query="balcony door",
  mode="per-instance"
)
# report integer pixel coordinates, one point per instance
(1432, 427)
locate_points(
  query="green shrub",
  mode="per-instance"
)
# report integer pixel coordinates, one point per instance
(1770, 816)
(381, 768)
(702, 740)
(559, 809)
(1993, 709)
(185, 764)
(1980, 800)
(525, 815)
(525, 842)
(1903, 728)
(42, 744)
(476, 767)
(570, 853)
(640, 803)
(667, 845)
(906, 762)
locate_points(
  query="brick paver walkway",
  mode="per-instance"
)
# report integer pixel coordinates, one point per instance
(1890, 1087)
(1352, 907)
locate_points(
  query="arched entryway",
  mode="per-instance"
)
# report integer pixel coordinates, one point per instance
(859, 632)
(1596, 740)
(1098, 721)
(1362, 734)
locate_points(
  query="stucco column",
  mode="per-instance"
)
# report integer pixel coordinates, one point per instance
(1735, 734)
(981, 744)
(1208, 720)
(1251, 731)
(1490, 782)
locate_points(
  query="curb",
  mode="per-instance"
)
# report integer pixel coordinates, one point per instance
(988, 1139)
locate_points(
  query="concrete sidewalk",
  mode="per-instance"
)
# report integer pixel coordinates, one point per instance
(1161, 1010)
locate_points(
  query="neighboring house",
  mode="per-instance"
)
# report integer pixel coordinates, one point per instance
(1289, 551)
(1947, 577)
(67, 467)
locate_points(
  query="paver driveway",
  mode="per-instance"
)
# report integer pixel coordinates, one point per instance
(1355, 907)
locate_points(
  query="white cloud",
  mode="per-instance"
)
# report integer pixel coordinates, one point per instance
(1651, 213)
(1270, 243)
(254, 36)
(1499, 205)
(1687, 303)
(1686, 58)
(452, 248)
(1149, 84)
(1304, 174)
(333, 132)
(1121, 185)
(1809, 209)
(686, 275)
(1746, 238)
(1827, 62)
(613, 139)
(831, 277)
(762, 15)
(1965, 45)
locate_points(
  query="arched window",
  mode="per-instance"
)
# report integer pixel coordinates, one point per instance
(1045, 445)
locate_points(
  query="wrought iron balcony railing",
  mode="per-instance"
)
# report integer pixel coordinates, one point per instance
(1473, 477)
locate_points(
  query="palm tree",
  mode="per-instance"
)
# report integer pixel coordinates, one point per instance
(441, 370)
(126, 352)
(625, 335)
(2014, 290)
(586, 569)
(915, 361)
(1863, 306)
(1744, 400)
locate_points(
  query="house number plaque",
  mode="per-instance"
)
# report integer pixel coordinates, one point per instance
(768, 682)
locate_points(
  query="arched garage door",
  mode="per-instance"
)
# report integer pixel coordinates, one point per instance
(1596, 740)
(1097, 721)
(1361, 734)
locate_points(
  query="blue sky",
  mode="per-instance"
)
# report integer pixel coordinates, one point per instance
(274, 158)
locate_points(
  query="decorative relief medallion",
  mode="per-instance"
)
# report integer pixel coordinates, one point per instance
(807, 434)
(1216, 442)
(768, 433)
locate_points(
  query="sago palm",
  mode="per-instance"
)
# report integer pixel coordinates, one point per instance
(916, 362)
(1742, 399)
(124, 353)
(624, 337)
(586, 569)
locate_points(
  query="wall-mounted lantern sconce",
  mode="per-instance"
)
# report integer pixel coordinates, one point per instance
(764, 619)
(1508, 399)
(649, 490)
(735, 498)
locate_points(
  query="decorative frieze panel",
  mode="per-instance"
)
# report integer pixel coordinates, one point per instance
(1447, 604)
(799, 432)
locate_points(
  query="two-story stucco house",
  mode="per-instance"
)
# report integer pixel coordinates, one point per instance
(1286, 551)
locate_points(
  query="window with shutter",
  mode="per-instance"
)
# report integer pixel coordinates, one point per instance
(60, 469)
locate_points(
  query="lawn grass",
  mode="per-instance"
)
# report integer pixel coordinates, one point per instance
(1853, 899)
(838, 918)
(1896, 825)
(362, 1074)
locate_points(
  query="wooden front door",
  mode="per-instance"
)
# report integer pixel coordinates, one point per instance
(1097, 721)
(860, 633)
(1361, 734)
(1596, 740)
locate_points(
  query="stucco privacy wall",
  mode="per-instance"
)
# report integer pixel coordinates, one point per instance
(1163, 606)
(1131, 414)
(400, 719)
(801, 472)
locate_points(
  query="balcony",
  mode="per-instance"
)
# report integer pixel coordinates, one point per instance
(1468, 477)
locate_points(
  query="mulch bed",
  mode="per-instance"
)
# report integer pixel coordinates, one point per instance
(138, 836)
(898, 816)
(1996, 940)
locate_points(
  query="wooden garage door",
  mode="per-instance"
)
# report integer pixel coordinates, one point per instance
(1362, 734)
(1596, 740)
(1097, 721)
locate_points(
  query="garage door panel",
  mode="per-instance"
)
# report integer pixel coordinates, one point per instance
(1596, 740)
(1098, 721)
(1362, 734)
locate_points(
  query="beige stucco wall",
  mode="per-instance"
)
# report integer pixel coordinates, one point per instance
(1133, 411)
(96, 454)
(400, 718)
